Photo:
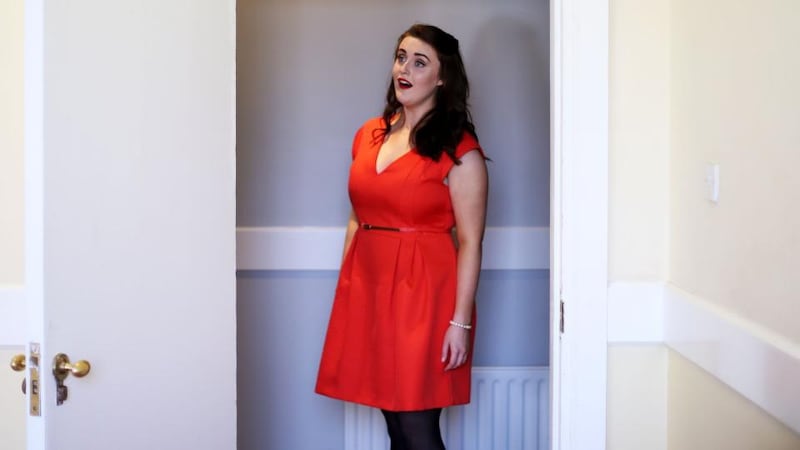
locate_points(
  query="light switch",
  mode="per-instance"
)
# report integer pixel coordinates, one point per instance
(712, 182)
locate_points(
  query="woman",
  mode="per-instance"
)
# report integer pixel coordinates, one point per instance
(402, 319)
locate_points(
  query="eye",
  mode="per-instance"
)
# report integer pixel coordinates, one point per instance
(419, 63)
(401, 57)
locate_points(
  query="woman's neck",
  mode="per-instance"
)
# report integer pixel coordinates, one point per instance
(412, 115)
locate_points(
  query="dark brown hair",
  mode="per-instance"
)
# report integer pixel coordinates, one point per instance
(440, 130)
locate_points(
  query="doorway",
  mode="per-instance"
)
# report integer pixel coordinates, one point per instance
(309, 73)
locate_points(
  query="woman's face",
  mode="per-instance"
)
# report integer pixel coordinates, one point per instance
(416, 73)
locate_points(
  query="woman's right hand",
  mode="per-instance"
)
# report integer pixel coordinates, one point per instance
(456, 347)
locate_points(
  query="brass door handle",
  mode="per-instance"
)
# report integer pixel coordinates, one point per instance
(18, 363)
(62, 368)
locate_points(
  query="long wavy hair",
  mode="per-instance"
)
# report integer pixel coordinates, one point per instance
(441, 128)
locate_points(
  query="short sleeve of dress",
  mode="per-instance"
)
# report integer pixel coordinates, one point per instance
(357, 142)
(467, 144)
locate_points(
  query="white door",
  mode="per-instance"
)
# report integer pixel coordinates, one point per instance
(130, 224)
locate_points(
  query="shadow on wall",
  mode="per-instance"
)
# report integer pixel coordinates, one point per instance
(510, 102)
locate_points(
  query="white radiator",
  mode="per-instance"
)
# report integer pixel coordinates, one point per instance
(509, 411)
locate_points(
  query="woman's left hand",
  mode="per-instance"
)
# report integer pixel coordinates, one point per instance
(456, 346)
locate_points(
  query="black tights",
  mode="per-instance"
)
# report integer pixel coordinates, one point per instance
(414, 430)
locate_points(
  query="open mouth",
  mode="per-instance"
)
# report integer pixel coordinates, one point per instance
(402, 83)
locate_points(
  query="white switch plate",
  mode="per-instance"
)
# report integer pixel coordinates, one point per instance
(712, 182)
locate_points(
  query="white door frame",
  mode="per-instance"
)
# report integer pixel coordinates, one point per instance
(579, 222)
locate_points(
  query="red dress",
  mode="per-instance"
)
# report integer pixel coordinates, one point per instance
(396, 290)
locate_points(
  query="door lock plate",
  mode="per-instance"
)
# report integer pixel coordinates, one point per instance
(33, 375)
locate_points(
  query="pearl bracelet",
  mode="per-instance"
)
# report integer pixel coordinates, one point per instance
(460, 325)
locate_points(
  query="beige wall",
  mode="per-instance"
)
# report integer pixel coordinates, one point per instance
(638, 139)
(11, 151)
(659, 400)
(694, 82)
(638, 204)
(706, 414)
(12, 401)
(736, 102)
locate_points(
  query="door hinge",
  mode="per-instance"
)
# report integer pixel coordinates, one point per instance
(561, 318)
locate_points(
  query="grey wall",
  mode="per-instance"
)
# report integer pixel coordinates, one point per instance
(282, 322)
(513, 318)
(309, 73)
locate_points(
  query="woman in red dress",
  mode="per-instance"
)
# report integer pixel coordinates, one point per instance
(401, 325)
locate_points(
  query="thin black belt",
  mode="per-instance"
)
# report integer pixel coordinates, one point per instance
(367, 226)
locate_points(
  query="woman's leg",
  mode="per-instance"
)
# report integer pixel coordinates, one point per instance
(395, 432)
(415, 430)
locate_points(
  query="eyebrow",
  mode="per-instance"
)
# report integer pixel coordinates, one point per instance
(416, 54)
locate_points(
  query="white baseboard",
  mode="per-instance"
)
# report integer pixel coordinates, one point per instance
(762, 366)
(13, 315)
(320, 248)
(758, 364)
(635, 312)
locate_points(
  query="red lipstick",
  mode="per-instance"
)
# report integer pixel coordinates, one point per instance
(402, 83)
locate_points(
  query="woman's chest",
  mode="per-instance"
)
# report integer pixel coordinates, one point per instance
(410, 181)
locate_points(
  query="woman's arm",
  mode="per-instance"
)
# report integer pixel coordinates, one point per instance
(352, 226)
(469, 187)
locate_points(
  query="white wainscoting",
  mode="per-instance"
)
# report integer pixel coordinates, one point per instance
(762, 366)
(635, 312)
(286, 248)
(509, 411)
(13, 315)
(757, 363)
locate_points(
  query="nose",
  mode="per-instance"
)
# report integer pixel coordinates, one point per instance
(404, 67)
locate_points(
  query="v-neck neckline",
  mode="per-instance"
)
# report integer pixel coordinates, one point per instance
(391, 163)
